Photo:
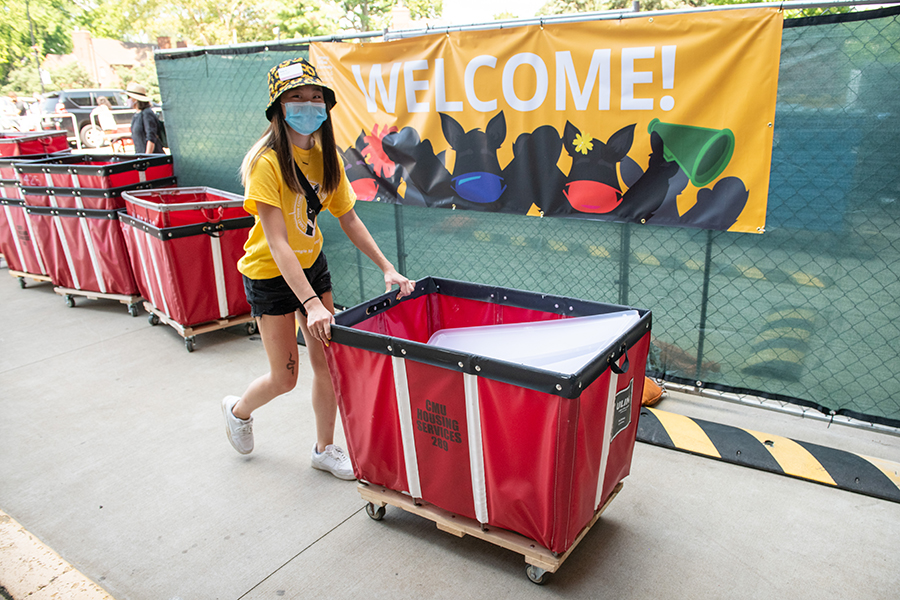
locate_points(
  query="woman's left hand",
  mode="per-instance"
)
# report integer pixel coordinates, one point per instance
(392, 277)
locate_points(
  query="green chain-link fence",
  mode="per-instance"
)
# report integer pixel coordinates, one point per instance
(806, 313)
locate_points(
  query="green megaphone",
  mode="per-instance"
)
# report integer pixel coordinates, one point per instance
(700, 152)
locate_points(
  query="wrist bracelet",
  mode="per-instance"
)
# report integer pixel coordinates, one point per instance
(308, 299)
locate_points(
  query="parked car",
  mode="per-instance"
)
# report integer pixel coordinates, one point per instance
(80, 103)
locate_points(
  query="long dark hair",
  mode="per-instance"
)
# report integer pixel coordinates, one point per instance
(276, 138)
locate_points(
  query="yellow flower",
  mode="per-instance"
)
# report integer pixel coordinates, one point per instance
(584, 143)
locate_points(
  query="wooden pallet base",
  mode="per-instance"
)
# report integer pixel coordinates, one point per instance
(459, 526)
(128, 299)
(23, 275)
(188, 333)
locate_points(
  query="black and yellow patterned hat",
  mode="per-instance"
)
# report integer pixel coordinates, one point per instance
(291, 74)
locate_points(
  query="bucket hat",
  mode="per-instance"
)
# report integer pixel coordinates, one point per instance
(292, 74)
(138, 92)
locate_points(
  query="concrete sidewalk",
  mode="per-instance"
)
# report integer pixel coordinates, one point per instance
(114, 455)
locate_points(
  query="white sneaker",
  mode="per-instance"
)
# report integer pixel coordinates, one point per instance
(239, 431)
(333, 460)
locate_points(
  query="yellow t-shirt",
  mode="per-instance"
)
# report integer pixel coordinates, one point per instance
(266, 185)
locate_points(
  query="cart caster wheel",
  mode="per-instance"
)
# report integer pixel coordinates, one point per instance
(537, 574)
(153, 319)
(376, 514)
(189, 344)
(252, 328)
(70, 301)
(22, 282)
(133, 310)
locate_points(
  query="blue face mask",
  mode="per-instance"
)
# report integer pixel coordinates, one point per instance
(304, 117)
(479, 187)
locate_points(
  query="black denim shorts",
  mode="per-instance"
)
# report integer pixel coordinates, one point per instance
(275, 297)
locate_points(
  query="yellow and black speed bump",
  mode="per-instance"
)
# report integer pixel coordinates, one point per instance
(776, 454)
(779, 349)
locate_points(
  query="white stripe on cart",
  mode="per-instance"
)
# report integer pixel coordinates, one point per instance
(221, 292)
(57, 221)
(34, 245)
(12, 227)
(162, 292)
(476, 450)
(89, 241)
(607, 433)
(407, 434)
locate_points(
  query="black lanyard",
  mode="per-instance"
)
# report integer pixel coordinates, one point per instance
(312, 200)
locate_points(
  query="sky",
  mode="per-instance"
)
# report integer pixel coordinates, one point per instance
(459, 12)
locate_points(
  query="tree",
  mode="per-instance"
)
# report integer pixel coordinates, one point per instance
(204, 22)
(72, 75)
(562, 7)
(365, 15)
(144, 75)
(311, 18)
(503, 16)
(425, 9)
(23, 79)
(52, 22)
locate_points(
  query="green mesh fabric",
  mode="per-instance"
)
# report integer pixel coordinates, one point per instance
(806, 312)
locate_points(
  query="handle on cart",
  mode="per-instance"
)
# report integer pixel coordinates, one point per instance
(215, 231)
(614, 364)
(213, 217)
(45, 140)
(374, 308)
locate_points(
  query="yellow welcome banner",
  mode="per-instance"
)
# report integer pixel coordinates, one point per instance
(659, 119)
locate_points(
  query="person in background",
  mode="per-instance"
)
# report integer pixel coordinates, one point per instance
(103, 113)
(288, 175)
(20, 106)
(144, 124)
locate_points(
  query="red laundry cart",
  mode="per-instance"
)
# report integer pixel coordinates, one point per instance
(18, 241)
(85, 254)
(523, 457)
(95, 170)
(16, 143)
(188, 272)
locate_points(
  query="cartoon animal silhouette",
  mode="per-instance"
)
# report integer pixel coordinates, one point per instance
(533, 177)
(593, 183)
(425, 171)
(477, 181)
(377, 178)
(716, 208)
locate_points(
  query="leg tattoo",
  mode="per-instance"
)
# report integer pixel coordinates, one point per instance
(291, 363)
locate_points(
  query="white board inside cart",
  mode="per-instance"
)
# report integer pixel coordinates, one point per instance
(562, 345)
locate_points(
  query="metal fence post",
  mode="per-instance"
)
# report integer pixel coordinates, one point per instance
(359, 273)
(401, 246)
(704, 301)
(624, 260)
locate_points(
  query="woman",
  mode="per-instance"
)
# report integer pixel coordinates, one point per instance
(103, 113)
(144, 124)
(286, 276)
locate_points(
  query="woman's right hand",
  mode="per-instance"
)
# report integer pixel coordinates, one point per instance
(319, 320)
